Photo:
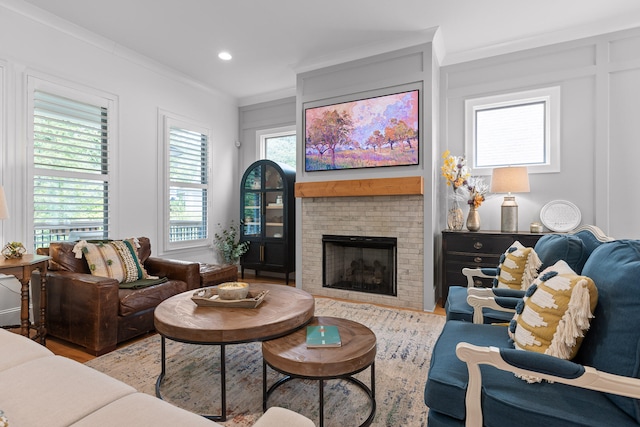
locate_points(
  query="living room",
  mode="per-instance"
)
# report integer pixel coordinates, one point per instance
(597, 68)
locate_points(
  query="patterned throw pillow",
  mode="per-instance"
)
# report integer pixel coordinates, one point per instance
(518, 267)
(555, 313)
(117, 259)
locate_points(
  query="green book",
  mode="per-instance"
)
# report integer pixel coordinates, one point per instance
(323, 336)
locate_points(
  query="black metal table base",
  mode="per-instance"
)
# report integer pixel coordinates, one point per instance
(223, 381)
(370, 392)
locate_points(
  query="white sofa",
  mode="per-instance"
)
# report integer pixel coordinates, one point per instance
(38, 388)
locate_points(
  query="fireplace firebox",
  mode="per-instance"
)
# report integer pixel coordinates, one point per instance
(360, 263)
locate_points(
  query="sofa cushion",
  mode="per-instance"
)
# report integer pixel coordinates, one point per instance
(140, 409)
(116, 259)
(457, 308)
(614, 337)
(555, 313)
(55, 391)
(135, 300)
(569, 248)
(15, 350)
(518, 267)
(505, 397)
(447, 379)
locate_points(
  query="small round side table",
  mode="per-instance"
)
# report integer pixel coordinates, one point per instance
(290, 356)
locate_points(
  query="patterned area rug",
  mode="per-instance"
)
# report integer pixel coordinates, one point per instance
(404, 342)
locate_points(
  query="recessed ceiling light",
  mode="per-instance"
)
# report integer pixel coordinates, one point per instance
(225, 56)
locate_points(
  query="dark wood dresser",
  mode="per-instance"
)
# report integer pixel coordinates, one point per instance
(475, 249)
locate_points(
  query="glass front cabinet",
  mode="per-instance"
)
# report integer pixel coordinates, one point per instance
(267, 210)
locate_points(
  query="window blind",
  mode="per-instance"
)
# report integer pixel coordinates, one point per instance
(71, 169)
(188, 184)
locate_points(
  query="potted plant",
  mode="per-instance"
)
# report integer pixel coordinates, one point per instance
(226, 241)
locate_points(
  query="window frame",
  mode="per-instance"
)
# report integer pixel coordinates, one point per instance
(550, 96)
(265, 134)
(82, 94)
(167, 121)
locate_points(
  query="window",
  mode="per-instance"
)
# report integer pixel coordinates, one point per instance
(517, 129)
(279, 145)
(187, 148)
(70, 137)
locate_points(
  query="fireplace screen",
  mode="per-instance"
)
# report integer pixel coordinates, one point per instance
(365, 264)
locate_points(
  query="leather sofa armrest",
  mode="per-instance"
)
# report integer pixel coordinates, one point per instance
(186, 271)
(83, 309)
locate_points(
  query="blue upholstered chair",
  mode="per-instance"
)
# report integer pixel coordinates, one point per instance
(471, 379)
(495, 305)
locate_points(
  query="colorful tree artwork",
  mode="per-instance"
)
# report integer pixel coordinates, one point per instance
(372, 132)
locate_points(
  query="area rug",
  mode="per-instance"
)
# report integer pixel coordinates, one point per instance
(404, 342)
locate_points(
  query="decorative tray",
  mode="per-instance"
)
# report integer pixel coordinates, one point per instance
(208, 297)
(560, 216)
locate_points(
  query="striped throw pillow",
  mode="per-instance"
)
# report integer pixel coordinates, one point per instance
(117, 259)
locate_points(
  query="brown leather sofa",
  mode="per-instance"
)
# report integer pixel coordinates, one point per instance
(93, 312)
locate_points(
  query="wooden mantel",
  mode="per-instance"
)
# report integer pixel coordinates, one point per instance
(403, 186)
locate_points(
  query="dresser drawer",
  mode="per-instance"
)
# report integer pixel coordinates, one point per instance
(473, 260)
(478, 243)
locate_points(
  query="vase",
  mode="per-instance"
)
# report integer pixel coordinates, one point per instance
(473, 219)
(455, 217)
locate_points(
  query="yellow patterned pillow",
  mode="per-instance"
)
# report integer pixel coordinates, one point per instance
(518, 267)
(555, 313)
(117, 259)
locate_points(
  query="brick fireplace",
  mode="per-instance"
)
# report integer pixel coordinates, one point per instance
(384, 214)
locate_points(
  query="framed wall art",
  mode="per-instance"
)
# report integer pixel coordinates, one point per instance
(372, 132)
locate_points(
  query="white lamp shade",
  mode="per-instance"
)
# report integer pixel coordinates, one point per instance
(4, 212)
(510, 179)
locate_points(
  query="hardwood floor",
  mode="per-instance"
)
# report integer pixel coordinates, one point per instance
(77, 353)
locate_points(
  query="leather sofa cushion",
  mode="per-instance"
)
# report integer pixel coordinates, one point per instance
(136, 300)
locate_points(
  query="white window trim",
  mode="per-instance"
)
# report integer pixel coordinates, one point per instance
(549, 95)
(263, 135)
(59, 87)
(166, 120)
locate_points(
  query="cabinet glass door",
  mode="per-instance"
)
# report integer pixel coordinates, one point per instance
(273, 179)
(254, 179)
(274, 214)
(252, 213)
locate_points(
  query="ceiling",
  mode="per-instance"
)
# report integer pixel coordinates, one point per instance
(272, 40)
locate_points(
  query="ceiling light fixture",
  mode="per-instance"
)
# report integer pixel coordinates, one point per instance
(225, 56)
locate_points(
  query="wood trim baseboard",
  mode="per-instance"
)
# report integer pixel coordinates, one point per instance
(403, 186)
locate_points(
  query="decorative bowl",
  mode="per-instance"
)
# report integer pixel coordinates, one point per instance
(233, 290)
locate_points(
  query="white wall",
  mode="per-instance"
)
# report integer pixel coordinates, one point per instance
(600, 87)
(43, 45)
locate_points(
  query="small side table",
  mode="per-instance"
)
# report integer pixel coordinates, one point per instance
(22, 268)
(290, 356)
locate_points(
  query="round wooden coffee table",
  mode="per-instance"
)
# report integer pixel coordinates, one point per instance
(178, 318)
(290, 356)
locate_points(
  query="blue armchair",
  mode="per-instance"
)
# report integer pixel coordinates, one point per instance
(599, 387)
(495, 305)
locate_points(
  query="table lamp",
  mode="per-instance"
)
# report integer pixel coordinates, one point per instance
(509, 180)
